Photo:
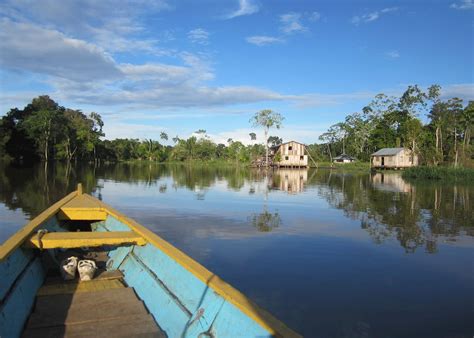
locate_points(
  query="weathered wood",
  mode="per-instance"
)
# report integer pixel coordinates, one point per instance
(130, 326)
(66, 240)
(83, 307)
(100, 275)
(87, 286)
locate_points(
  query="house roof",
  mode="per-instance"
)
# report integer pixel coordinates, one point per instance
(387, 152)
(344, 156)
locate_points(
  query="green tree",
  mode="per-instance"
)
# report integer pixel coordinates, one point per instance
(164, 136)
(274, 141)
(267, 119)
(42, 126)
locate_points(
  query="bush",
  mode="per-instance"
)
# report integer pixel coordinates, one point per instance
(439, 173)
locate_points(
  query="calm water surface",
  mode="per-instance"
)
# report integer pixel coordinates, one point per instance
(332, 254)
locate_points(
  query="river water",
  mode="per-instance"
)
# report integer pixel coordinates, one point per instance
(330, 253)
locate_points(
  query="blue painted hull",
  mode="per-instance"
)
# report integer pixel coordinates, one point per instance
(181, 303)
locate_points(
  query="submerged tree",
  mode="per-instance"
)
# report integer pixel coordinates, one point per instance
(267, 119)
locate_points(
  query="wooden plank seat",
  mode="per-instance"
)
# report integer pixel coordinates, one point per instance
(83, 207)
(67, 240)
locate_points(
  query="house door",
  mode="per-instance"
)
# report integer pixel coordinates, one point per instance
(383, 160)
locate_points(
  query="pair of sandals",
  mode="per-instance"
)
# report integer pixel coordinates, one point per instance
(85, 267)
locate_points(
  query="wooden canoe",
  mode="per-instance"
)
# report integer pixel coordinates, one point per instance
(146, 287)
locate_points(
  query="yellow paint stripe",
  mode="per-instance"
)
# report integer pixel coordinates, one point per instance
(82, 214)
(265, 319)
(17, 239)
(67, 240)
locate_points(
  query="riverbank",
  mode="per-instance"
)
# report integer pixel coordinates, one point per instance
(345, 166)
(439, 173)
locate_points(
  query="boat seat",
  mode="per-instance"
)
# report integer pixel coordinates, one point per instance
(82, 207)
(68, 240)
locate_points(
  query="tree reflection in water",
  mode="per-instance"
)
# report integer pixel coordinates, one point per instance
(416, 214)
(265, 221)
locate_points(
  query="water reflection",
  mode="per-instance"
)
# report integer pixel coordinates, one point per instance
(290, 180)
(392, 182)
(416, 214)
(303, 244)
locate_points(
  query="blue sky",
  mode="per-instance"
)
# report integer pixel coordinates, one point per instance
(179, 66)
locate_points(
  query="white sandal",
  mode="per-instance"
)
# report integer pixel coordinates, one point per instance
(86, 269)
(68, 268)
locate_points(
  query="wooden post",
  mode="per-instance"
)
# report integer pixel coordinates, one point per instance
(79, 188)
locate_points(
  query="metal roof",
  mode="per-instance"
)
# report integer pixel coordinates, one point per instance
(387, 151)
(344, 156)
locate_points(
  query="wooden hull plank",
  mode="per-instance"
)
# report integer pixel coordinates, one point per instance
(88, 286)
(83, 307)
(129, 326)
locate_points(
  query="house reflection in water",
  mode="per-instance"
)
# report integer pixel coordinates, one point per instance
(290, 180)
(392, 182)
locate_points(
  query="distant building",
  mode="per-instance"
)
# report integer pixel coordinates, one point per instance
(344, 158)
(289, 154)
(393, 158)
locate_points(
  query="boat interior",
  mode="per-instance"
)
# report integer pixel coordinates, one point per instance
(143, 286)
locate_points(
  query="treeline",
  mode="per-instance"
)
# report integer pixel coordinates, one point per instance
(439, 131)
(44, 131)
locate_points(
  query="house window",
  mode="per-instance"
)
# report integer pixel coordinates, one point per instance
(286, 158)
(301, 158)
(290, 148)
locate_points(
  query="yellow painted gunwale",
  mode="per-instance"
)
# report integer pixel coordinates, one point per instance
(229, 293)
(21, 235)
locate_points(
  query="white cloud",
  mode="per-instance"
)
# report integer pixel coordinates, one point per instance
(291, 23)
(315, 16)
(372, 16)
(302, 133)
(26, 47)
(263, 40)
(463, 91)
(114, 28)
(463, 4)
(246, 7)
(394, 54)
(199, 36)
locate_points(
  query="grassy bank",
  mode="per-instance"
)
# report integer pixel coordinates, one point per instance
(439, 173)
(348, 166)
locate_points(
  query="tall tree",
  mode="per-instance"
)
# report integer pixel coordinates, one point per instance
(267, 119)
(43, 126)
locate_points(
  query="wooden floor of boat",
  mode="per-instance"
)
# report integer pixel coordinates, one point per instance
(103, 307)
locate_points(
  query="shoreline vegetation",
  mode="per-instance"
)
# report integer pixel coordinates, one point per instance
(44, 131)
(439, 173)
